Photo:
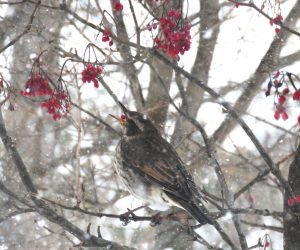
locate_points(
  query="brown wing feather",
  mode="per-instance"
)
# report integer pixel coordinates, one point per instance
(156, 161)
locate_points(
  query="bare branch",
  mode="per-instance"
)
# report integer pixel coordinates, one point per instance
(17, 212)
(263, 226)
(259, 10)
(26, 30)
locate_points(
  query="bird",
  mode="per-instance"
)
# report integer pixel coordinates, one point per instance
(151, 169)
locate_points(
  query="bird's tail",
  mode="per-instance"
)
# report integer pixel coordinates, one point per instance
(198, 212)
(195, 208)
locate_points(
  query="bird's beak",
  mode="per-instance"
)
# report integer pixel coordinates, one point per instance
(125, 110)
(119, 119)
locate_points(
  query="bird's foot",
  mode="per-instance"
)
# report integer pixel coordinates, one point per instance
(156, 219)
(130, 216)
(126, 217)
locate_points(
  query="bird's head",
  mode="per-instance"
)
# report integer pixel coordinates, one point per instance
(135, 123)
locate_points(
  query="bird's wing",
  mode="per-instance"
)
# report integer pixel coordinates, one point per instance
(156, 161)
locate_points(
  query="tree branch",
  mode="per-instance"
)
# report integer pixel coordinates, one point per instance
(26, 30)
(259, 10)
(17, 212)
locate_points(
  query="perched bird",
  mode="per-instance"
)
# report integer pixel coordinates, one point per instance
(152, 170)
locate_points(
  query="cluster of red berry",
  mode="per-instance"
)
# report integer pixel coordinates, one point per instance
(57, 103)
(280, 106)
(56, 100)
(175, 34)
(292, 201)
(277, 81)
(91, 73)
(276, 20)
(36, 86)
(106, 33)
(117, 5)
(106, 37)
(276, 8)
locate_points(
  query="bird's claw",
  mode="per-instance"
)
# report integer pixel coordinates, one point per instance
(156, 220)
(125, 218)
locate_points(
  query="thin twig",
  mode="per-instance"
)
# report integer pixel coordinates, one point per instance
(259, 10)
(137, 29)
(11, 194)
(250, 211)
(26, 30)
(17, 212)
(263, 226)
(107, 126)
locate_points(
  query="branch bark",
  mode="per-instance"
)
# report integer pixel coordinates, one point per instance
(129, 69)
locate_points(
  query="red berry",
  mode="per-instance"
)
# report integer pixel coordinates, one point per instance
(277, 115)
(37, 85)
(175, 13)
(118, 6)
(277, 74)
(297, 198)
(175, 38)
(296, 95)
(91, 73)
(298, 119)
(278, 18)
(290, 202)
(58, 105)
(157, 40)
(267, 244)
(105, 38)
(285, 91)
(284, 115)
(281, 100)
